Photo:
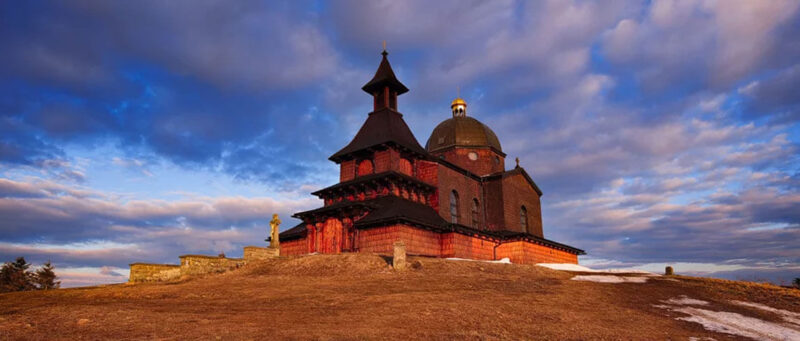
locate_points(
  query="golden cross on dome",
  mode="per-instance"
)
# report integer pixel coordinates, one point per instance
(384, 45)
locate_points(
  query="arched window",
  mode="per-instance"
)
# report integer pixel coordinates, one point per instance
(476, 214)
(454, 207)
(523, 218)
(365, 167)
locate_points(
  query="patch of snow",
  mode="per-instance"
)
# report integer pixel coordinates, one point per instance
(787, 316)
(683, 300)
(580, 268)
(609, 279)
(501, 261)
(737, 324)
(731, 323)
(566, 267)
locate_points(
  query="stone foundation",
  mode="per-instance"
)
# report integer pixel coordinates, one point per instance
(144, 272)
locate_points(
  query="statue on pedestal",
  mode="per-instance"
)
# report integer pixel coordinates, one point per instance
(274, 239)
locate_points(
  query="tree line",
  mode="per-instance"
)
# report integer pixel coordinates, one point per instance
(16, 276)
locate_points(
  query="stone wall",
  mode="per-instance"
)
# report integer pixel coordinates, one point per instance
(252, 253)
(144, 272)
(199, 264)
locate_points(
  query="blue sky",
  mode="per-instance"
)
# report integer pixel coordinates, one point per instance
(661, 132)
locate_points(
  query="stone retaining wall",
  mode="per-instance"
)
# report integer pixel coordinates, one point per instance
(144, 272)
(199, 264)
(254, 253)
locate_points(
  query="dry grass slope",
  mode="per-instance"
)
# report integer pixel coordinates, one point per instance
(357, 296)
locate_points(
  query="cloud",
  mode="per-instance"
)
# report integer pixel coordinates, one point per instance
(702, 43)
(76, 227)
(774, 96)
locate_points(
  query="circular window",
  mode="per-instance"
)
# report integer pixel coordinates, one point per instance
(472, 156)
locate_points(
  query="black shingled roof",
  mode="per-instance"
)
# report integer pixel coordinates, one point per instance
(391, 208)
(384, 76)
(376, 176)
(383, 126)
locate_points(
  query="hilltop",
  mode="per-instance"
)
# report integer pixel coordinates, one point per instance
(358, 296)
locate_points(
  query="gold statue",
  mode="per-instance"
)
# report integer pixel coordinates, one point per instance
(274, 241)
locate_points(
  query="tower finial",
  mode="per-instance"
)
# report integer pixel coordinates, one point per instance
(384, 45)
(517, 159)
(458, 91)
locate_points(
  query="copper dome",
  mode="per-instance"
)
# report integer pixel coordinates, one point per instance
(462, 131)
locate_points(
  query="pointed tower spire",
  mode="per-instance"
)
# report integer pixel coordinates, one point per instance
(384, 86)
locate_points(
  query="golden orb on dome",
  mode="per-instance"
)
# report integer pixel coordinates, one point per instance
(458, 101)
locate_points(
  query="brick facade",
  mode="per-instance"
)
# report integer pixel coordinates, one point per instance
(530, 253)
(487, 161)
(434, 244)
(294, 247)
(517, 192)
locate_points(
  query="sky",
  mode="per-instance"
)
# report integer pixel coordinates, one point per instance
(661, 132)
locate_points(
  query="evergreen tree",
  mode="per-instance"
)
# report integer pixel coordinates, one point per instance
(14, 276)
(46, 277)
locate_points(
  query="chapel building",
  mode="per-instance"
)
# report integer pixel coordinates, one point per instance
(453, 198)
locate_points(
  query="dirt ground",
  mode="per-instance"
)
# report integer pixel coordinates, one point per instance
(357, 296)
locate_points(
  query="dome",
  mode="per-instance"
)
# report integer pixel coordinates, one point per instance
(458, 101)
(462, 131)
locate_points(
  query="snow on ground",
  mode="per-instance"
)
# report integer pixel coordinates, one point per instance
(501, 261)
(580, 268)
(787, 316)
(609, 279)
(683, 300)
(732, 323)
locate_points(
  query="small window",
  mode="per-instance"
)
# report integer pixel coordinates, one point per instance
(523, 219)
(454, 207)
(365, 167)
(476, 214)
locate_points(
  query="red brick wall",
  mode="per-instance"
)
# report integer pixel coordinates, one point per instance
(294, 247)
(462, 246)
(522, 252)
(467, 189)
(381, 240)
(347, 170)
(495, 216)
(386, 160)
(422, 242)
(484, 165)
(517, 192)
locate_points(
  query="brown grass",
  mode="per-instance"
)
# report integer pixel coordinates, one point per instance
(357, 296)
